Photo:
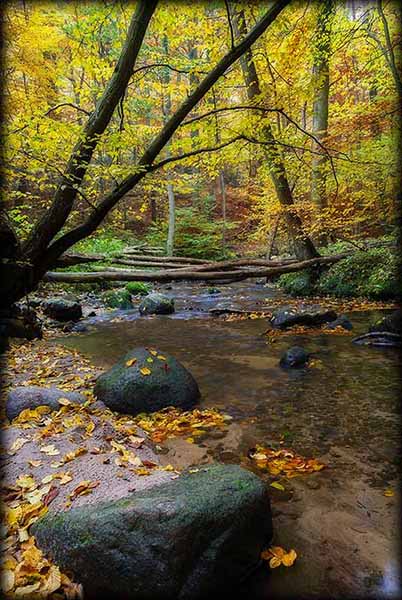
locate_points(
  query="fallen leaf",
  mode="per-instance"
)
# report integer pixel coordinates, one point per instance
(388, 492)
(145, 371)
(277, 485)
(50, 450)
(131, 362)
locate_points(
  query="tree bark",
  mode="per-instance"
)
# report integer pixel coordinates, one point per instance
(304, 247)
(321, 50)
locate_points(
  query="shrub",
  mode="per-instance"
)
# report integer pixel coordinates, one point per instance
(138, 288)
(372, 273)
(297, 284)
(118, 299)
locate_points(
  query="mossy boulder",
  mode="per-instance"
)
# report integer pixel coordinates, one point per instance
(156, 304)
(118, 299)
(147, 380)
(62, 309)
(193, 538)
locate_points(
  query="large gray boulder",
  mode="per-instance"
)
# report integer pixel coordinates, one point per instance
(156, 304)
(33, 396)
(131, 390)
(62, 309)
(309, 316)
(198, 535)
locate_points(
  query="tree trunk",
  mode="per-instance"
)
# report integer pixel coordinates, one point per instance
(47, 241)
(304, 247)
(223, 192)
(321, 50)
(172, 221)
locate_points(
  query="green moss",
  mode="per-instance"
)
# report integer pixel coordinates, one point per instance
(136, 288)
(118, 299)
(297, 284)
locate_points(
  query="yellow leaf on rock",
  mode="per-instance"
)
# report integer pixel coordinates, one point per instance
(131, 362)
(64, 401)
(274, 562)
(145, 371)
(7, 580)
(289, 558)
(150, 360)
(34, 463)
(389, 493)
(161, 357)
(153, 352)
(50, 450)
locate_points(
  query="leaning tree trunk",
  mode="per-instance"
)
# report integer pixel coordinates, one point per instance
(304, 247)
(21, 273)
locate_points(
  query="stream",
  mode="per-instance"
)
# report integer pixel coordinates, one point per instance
(345, 412)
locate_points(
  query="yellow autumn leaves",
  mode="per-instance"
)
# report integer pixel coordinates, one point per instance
(144, 370)
(284, 462)
(277, 556)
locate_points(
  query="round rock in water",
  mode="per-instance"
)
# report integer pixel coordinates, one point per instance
(33, 396)
(341, 321)
(196, 537)
(156, 304)
(295, 357)
(147, 380)
(62, 310)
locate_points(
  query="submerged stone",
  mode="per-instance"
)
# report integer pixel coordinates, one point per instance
(295, 357)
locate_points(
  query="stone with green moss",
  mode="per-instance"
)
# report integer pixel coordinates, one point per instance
(195, 537)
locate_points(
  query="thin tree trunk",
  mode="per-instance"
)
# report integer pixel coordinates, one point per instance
(304, 247)
(223, 192)
(172, 221)
(271, 238)
(322, 46)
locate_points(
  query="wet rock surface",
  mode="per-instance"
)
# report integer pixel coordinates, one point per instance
(30, 397)
(151, 380)
(62, 309)
(294, 358)
(156, 304)
(309, 316)
(200, 534)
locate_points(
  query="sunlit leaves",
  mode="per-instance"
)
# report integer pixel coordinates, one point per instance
(284, 462)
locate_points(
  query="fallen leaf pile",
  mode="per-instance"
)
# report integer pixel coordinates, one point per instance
(273, 334)
(284, 462)
(247, 316)
(171, 422)
(25, 571)
(277, 556)
(338, 304)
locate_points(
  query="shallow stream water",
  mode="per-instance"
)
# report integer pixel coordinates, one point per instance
(345, 412)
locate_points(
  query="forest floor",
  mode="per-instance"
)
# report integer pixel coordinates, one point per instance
(340, 513)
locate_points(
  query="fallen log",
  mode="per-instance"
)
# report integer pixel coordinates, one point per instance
(193, 275)
(159, 259)
(148, 264)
